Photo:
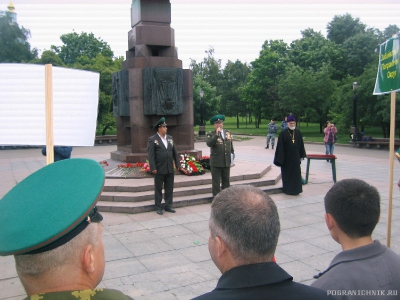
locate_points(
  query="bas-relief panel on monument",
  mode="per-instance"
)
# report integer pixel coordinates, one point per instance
(162, 91)
(120, 93)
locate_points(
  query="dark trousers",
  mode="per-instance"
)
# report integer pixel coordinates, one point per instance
(218, 175)
(168, 181)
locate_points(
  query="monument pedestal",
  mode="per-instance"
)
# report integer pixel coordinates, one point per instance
(152, 85)
(141, 157)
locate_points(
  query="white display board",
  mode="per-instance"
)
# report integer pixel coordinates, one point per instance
(22, 105)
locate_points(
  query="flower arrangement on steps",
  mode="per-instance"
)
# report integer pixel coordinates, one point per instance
(190, 166)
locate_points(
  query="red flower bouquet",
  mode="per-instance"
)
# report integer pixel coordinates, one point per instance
(190, 166)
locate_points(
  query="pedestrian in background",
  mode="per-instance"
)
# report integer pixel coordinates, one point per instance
(60, 152)
(272, 129)
(284, 124)
(330, 138)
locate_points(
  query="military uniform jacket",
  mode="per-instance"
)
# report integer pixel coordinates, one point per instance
(97, 294)
(160, 158)
(220, 149)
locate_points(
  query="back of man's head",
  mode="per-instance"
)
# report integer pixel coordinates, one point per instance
(61, 261)
(247, 220)
(355, 206)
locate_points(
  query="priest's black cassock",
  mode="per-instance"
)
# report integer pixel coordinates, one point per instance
(288, 153)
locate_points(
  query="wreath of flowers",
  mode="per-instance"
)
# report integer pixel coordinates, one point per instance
(190, 166)
(205, 162)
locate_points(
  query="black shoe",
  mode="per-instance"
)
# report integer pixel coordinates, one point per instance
(159, 211)
(169, 209)
(267, 147)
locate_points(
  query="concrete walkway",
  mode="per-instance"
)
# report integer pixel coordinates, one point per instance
(166, 257)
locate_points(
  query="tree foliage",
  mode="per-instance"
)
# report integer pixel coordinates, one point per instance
(233, 79)
(49, 57)
(14, 45)
(211, 101)
(85, 44)
(313, 51)
(343, 27)
(389, 32)
(209, 68)
(361, 49)
(261, 90)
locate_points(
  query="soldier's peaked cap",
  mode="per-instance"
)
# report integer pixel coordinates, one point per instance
(50, 206)
(159, 123)
(217, 118)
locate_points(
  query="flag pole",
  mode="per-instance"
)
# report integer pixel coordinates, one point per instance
(49, 114)
(391, 162)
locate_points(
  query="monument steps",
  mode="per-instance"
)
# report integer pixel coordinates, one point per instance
(137, 195)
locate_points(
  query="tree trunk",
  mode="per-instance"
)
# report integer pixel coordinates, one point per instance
(104, 130)
(383, 130)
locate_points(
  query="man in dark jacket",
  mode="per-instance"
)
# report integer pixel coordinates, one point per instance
(60, 152)
(221, 148)
(163, 159)
(244, 230)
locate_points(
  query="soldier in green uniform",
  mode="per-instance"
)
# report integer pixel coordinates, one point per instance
(50, 223)
(221, 148)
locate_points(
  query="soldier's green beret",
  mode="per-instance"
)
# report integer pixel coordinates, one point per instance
(217, 118)
(51, 206)
(159, 123)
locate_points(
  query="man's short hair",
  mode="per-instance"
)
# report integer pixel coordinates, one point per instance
(247, 220)
(355, 205)
(37, 265)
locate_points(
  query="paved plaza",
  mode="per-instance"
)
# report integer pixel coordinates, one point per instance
(152, 256)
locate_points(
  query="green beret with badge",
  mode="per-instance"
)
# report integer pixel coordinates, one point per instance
(50, 207)
(217, 118)
(160, 123)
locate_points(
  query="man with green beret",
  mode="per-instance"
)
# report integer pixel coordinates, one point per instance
(50, 223)
(221, 148)
(163, 159)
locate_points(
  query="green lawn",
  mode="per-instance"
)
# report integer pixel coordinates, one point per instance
(309, 131)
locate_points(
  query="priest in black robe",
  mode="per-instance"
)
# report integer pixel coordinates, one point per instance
(288, 155)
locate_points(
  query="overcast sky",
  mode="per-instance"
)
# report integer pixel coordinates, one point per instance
(236, 29)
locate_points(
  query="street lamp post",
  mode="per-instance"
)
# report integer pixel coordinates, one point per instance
(202, 127)
(354, 130)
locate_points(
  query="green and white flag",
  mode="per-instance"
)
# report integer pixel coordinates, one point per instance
(388, 76)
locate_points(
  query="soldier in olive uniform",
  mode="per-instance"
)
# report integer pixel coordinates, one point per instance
(221, 148)
(50, 223)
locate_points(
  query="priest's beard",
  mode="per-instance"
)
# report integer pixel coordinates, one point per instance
(292, 128)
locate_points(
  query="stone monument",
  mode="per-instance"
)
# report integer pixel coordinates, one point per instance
(151, 85)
